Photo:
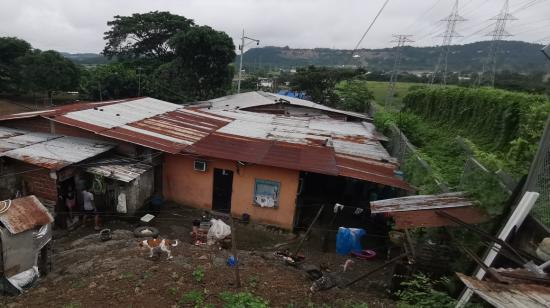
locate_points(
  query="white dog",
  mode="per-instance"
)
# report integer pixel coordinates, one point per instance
(157, 244)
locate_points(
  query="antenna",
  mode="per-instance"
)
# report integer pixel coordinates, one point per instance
(400, 39)
(448, 35)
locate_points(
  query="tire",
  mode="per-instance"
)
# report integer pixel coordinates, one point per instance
(138, 232)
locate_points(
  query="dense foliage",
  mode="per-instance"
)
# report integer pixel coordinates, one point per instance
(48, 71)
(354, 95)
(144, 35)
(319, 83)
(421, 291)
(506, 124)
(11, 49)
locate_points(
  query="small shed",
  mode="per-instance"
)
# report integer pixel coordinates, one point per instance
(130, 182)
(420, 210)
(25, 232)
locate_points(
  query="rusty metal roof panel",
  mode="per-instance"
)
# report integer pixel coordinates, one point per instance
(279, 154)
(25, 214)
(371, 149)
(120, 169)
(11, 139)
(370, 170)
(62, 109)
(421, 202)
(260, 98)
(430, 219)
(166, 127)
(509, 295)
(57, 153)
(122, 113)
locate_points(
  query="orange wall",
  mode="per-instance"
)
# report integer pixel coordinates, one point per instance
(184, 185)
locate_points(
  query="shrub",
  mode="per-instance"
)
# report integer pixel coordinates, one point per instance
(243, 300)
(198, 274)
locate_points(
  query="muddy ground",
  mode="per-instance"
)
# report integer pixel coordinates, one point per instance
(117, 273)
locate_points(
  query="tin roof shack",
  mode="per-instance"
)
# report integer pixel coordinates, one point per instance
(129, 183)
(38, 163)
(24, 235)
(218, 156)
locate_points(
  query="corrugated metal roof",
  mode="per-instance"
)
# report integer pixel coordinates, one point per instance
(421, 202)
(260, 98)
(321, 145)
(509, 295)
(25, 214)
(61, 109)
(48, 151)
(166, 127)
(11, 139)
(120, 169)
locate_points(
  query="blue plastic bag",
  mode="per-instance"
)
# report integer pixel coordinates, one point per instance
(348, 240)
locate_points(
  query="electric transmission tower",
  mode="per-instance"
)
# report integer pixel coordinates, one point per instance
(448, 35)
(497, 35)
(401, 40)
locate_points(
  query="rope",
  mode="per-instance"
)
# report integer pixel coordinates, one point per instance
(5, 206)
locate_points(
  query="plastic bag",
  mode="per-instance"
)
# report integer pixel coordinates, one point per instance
(349, 240)
(218, 231)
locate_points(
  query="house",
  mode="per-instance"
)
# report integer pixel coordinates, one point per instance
(25, 231)
(265, 155)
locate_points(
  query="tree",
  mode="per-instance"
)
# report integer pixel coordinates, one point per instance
(354, 95)
(144, 35)
(319, 83)
(202, 58)
(48, 71)
(112, 80)
(11, 49)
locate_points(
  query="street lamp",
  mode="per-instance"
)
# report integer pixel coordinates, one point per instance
(241, 48)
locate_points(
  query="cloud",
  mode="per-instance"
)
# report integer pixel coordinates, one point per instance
(78, 26)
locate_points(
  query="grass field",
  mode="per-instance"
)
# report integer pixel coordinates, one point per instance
(380, 90)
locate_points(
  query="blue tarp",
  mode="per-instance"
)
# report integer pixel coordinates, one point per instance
(296, 94)
(349, 240)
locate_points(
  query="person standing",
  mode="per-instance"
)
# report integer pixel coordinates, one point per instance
(89, 208)
(70, 201)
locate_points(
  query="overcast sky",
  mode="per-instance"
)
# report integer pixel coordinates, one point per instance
(78, 25)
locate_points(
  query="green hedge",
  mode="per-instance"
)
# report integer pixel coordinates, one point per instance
(497, 121)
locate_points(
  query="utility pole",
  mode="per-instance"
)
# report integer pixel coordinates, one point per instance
(139, 80)
(448, 35)
(497, 35)
(99, 89)
(241, 48)
(400, 39)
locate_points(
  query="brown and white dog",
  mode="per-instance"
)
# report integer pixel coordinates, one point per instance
(159, 245)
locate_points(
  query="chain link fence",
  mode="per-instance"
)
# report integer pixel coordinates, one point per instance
(401, 148)
(538, 179)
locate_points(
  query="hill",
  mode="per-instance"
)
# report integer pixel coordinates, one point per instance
(514, 56)
(86, 58)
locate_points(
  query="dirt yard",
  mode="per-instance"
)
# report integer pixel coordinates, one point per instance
(116, 273)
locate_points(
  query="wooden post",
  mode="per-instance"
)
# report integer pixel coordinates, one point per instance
(308, 230)
(234, 251)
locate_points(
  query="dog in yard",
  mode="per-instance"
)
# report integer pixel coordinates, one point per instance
(158, 245)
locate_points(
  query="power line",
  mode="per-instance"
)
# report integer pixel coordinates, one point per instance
(450, 33)
(400, 39)
(368, 29)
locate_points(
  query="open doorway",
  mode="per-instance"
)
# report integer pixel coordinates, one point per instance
(223, 188)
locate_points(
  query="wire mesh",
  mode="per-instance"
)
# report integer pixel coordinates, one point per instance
(539, 180)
